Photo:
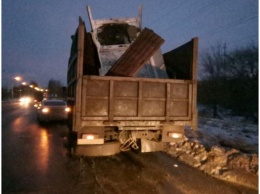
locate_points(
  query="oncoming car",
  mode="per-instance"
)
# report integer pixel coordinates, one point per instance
(25, 100)
(52, 110)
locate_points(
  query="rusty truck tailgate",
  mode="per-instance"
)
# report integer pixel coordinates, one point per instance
(117, 99)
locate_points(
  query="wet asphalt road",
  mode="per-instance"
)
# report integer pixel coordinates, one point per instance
(34, 161)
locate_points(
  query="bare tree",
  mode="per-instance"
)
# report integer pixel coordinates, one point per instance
(243, 70)
(244, 62)
(213, 74)
(213, 63)
(230, 80)
(55, 88)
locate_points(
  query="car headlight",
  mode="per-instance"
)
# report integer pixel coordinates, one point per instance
(25, 100)
(67, 109)
(45, 110)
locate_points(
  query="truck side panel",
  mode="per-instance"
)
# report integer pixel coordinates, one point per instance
(181, 63)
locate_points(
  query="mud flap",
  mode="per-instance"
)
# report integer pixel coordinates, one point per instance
(151, 146)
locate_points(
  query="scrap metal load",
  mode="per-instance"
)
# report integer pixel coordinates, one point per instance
(126, 50)
(135, 57)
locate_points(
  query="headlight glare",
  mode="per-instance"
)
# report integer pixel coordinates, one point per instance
(67, 109)
(45, 110)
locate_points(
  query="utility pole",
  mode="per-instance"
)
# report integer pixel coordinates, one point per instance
(225, 49)
(12, 90)
(225, 53)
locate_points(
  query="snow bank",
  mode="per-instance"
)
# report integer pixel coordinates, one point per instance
(224, 148)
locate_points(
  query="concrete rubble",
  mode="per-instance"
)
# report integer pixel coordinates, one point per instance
(226, 164)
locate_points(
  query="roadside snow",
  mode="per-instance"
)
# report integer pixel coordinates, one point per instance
(225, 148)
(228, 132)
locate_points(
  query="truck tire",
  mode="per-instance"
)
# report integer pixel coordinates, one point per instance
(107, 149)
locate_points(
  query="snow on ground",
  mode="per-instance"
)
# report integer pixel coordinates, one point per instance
(227, 132)
(225, 148)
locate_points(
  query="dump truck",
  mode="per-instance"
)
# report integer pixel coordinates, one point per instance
(124, 93)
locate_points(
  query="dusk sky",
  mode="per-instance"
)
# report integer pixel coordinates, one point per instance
(36, 33)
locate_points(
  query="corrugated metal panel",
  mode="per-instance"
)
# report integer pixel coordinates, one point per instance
(145, 45)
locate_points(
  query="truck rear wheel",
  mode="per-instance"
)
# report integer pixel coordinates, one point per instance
(107, 149)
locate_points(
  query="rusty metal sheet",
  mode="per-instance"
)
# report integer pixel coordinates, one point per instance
(135, 57)
(181, 63)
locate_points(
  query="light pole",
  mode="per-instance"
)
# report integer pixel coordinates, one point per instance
(12, 90)
(24, 88)
(18, 79)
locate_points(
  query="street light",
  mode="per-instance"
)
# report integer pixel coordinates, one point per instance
(18, 78)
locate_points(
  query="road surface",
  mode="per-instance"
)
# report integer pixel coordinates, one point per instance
(35, 161)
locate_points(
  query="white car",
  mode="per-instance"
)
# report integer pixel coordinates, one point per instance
(52, 110)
